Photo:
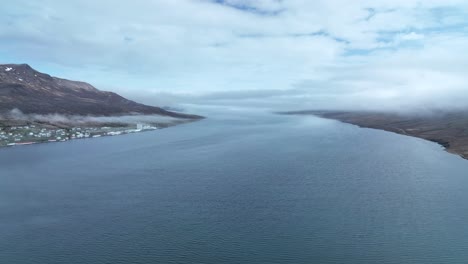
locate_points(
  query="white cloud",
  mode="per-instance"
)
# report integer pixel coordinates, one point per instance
(295, 53)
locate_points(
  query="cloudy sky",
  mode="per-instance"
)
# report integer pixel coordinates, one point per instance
(279, 54)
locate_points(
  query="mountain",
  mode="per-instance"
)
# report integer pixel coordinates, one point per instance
(23, 88)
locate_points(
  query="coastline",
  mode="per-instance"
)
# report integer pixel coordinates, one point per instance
(444, 145)
(438, 130)
(66, 134)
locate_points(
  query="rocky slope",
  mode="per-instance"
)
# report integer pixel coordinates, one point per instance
(23, 88)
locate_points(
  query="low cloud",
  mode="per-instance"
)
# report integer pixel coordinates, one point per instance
(16, 114)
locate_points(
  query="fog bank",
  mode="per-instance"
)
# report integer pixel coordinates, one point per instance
(16, 114)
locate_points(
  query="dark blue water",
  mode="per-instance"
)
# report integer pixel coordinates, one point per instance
(255, 189)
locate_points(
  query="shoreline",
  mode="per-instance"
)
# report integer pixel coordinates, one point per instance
(444, 145)
(436, 130)
(119, 131)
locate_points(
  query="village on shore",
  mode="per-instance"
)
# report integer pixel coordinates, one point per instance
(32, 134)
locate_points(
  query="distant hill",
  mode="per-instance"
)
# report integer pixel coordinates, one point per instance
(23, 88)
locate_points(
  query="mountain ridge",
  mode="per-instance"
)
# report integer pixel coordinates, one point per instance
(33, 92)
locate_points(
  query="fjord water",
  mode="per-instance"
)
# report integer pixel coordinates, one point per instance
(256, 189)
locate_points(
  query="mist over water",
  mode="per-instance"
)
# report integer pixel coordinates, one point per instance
(16, 114)
(235, 188)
